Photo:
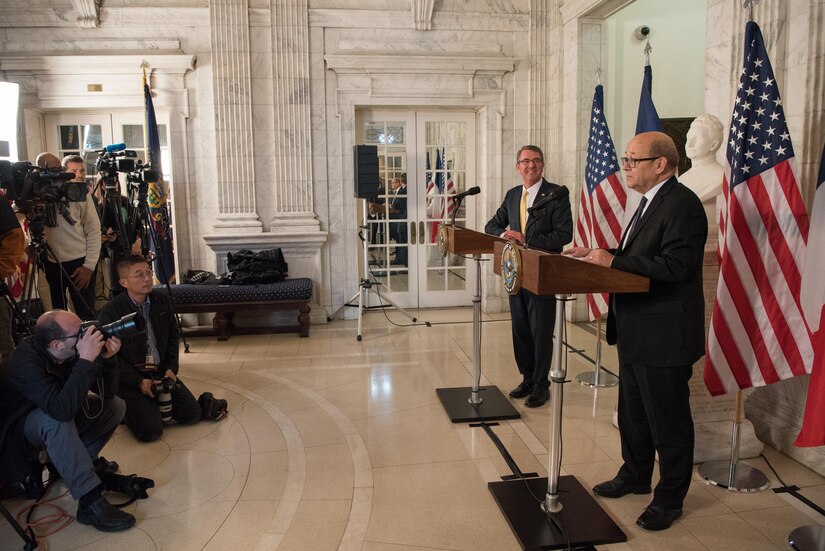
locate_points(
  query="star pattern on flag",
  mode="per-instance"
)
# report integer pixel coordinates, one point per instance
(759, 137)
(601, 155)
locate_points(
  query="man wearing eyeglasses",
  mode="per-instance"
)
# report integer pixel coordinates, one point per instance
(45, 405)
(548, 228)
(146, 358)
(659, 334)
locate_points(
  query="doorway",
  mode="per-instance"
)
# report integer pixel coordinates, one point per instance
(425, 158)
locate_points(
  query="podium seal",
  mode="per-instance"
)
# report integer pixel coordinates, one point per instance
(511, 268)
(443, 239)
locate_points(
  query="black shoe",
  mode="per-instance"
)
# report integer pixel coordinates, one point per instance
(618, 488)
(523, 389)
(104, 516)
(655, 518)
(538, 397)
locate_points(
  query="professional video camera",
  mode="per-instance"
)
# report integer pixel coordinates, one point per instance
(116, 159)
(130, 324)
(162, 391)
(32, 188)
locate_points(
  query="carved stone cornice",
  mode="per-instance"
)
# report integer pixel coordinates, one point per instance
(88, 13)
(413, 64)
(422, 14)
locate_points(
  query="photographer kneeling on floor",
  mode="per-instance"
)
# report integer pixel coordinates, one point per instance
(148, 362)
(45, 405)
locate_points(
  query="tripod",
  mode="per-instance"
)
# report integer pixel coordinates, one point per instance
(367, 282)
(141, 220)
(39, 251)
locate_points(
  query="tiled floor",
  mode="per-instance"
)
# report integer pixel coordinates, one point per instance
(336, 444)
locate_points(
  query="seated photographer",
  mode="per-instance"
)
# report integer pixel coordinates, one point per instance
(149, 360)
(44, 404)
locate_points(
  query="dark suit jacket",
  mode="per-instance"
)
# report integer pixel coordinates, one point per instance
(666, 326)
(133, 348)
(549, 228)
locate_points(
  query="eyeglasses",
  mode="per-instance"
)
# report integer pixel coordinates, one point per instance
(525, 162)
(142, 275)
(631, 162)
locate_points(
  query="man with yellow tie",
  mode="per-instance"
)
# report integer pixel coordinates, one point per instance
(548, 228)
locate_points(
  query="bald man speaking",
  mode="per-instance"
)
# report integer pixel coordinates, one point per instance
(658, 334)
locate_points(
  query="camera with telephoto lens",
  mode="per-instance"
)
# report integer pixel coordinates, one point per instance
(128, 325)
(32, 187)
(162, 391)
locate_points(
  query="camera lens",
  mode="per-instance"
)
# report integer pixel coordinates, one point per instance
(130, 324)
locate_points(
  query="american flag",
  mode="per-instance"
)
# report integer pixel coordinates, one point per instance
(758, 335)
(603, 198)
(449, 191)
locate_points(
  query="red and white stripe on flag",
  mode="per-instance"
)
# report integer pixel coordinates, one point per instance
(603, 198)
(812, 295)
(758, 334)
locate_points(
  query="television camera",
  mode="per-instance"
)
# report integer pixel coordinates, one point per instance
(40, 193)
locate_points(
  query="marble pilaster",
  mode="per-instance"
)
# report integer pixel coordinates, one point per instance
(293, 193)
(231, 86)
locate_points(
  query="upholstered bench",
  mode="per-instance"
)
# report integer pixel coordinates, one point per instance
(226, 300)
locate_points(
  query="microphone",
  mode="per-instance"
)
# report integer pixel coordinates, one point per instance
(475, 190)
(555, 195)
(112, 148)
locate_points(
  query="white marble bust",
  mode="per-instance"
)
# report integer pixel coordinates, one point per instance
(703, 141)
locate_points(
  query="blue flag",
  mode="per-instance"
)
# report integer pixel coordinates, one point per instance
(164, 264)
(648, 118)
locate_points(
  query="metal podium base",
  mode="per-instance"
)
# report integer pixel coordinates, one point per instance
(807, 538)
(495, 407)
(606, 380)
(582, 518)
(746, 478)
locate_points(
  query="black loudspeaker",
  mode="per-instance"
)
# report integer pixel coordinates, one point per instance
(365, 162)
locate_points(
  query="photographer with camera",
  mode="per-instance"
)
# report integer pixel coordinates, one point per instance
(148, 362)
(45, 404)
(74, 246)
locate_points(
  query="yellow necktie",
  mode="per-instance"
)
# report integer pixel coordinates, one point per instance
(523, 210)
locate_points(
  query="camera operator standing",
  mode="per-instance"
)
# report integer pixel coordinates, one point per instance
(76, 246)
(12, 246)
(149, 360)
(44, 404)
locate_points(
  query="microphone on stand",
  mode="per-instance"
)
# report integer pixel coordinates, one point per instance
(554, 195)
(475, 190)
(537, 209)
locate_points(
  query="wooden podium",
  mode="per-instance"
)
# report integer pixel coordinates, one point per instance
(475, 403)
(583, 522)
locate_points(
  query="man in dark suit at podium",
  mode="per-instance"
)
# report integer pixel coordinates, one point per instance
(659, 334)
(548, 228)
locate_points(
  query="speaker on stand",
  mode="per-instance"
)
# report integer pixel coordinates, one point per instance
(367, 188)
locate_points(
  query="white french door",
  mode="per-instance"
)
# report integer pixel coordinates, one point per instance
(436, 153)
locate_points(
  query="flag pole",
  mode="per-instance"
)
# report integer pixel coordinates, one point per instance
(731, 474)
(597, 379)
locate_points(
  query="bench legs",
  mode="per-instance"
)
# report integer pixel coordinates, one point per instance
(221, 323)
(303, 319)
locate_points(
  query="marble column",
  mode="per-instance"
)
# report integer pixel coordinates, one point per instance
(293, 137)
(233, 118)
